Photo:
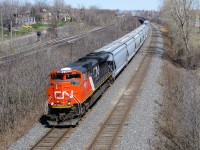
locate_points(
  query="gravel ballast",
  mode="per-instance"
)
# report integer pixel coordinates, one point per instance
(29, 139)
(140, 131)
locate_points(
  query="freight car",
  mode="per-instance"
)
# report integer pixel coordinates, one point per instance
(122, 50)
(74, 88)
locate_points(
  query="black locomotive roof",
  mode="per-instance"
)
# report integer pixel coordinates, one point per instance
(83, 65)
(89, 61)
(99, 56)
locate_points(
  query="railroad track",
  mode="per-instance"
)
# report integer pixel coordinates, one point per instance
(110, 132)
(41, 47)
(52, 139)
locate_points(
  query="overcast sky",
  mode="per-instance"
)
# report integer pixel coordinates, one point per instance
(116, 4)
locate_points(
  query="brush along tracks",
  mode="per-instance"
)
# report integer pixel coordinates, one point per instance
(110, 132)
(41, 46)
(53, 138)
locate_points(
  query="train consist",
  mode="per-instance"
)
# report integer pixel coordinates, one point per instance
(74, 88)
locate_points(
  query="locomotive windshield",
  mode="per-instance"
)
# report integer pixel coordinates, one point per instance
(57, 76)
(70, 76)
(64, 76)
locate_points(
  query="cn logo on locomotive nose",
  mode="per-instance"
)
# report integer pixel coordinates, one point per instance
(96, 71)
(63, 94)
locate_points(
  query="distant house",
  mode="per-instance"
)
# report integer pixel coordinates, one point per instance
(197, 22)
(22, 20)
(47, 17)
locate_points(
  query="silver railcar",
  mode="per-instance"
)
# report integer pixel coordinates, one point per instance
(123, 49)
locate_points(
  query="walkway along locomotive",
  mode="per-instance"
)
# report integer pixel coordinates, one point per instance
(74, 88)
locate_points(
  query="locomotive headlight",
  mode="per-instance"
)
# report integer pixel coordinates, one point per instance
(52, 104)
(69, 102)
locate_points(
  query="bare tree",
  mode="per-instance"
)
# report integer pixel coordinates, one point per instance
(7, 14)
(1, 15)
(38, 9)
(177, 14)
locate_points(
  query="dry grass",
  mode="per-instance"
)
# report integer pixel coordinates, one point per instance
(178, 124)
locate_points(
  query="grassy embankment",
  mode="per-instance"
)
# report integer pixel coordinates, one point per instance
(178, 122)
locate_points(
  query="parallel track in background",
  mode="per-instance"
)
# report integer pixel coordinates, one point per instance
(52, 139)
(42, 46)
(110, 132)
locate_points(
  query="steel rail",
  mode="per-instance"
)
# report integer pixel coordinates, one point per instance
(52, 139)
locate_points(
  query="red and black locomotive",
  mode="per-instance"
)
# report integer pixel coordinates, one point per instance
(75, 88)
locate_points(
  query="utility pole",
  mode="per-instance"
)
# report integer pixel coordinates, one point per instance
(11, 28)
(1, 21)
(28, 16)
(11, 16)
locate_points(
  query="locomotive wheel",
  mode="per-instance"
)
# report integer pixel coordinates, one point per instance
(86, 106)
(112, 80)
(83, 110)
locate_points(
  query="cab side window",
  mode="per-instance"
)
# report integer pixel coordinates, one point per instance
(84, 76)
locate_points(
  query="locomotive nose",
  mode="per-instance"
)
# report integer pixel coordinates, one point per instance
(63, 94)
(62, 91)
